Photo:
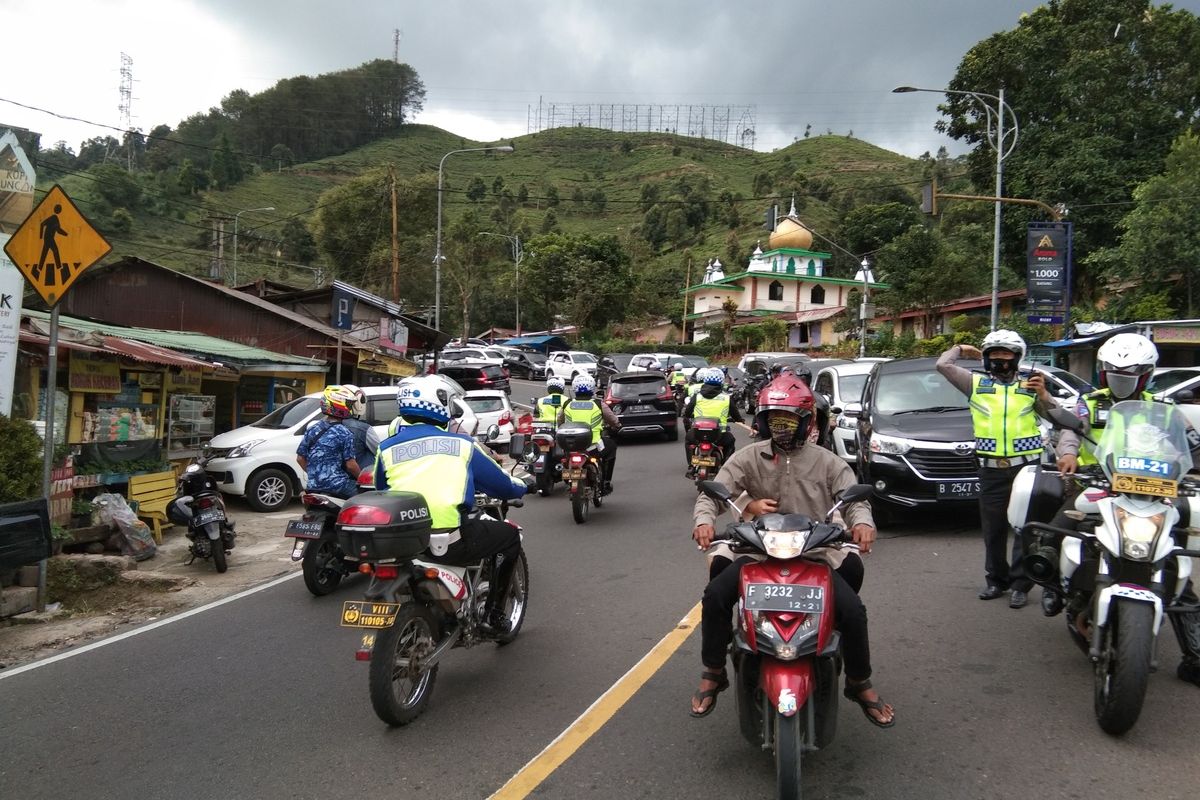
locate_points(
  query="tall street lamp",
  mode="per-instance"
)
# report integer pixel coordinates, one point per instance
(235, 241)
(437, 255)
(865, 310)
(518, 254)
(996, 135)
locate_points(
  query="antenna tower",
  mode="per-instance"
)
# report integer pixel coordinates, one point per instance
(126, 104)
(396, 35)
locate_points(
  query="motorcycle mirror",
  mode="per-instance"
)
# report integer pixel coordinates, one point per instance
(716, 491)
(492, 434)
(855, 493)
(516, 445)
(1061, 418)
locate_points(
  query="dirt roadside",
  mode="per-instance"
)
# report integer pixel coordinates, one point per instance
(159, 587)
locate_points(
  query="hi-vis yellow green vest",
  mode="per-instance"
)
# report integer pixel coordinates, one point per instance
(436, 467)
(1098, 403)
(678, 379)
(1005, 422)
(715, 407)
(585, 412)
(548, 407)
(695, 387)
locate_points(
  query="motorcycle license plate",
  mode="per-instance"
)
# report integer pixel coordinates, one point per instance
(784, 597)
(573, 474)
(366, 614)
(704, 461)
(1141, 484)
(304, 529)
(209, 515)
(958, 489)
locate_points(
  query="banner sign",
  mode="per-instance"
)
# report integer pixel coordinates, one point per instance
(342, 313)
(1048, 271)
(87, 374)
(17, 178)
(186, 382)
(393, 335)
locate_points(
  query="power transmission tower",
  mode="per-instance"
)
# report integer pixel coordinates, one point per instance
(397, 34)
(125, 107)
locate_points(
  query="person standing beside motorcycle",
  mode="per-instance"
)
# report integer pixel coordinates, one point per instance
(1126, 364)
(549, 406)
(366, 440)
(711, 401)
(1004, 411)
(327, 451)
(782, 474)
(447, 469)
(586, 410)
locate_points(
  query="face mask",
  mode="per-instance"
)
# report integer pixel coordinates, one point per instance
(1004, 370)
(783, 427)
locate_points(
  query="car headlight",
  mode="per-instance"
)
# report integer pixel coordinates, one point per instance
(784, 544)
(1138, 533)
(244, 449)
(890, 445)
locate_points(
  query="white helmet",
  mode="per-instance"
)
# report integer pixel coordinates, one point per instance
(1004, 339)
(584, 384)
(555, 385)
(1126, 363)
(422, 399)
(360, 399)
(713, 376)
(678, 365)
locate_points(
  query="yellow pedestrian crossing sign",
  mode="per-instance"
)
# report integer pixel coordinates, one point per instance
(54, 245)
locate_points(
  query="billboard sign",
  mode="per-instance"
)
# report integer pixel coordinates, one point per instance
(17, 178)
(1048, 270)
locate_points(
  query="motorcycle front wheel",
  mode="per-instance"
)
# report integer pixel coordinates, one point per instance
(579, 503)
(787, 756)
(322, 567)
(516, 601)
(1124, 667)
(397, 694)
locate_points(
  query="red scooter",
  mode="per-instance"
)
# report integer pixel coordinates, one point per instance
(786, 653)
(706, 457)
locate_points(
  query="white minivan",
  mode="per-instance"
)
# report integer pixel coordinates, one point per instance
(258, 461)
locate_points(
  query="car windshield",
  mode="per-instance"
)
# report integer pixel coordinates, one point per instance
(536, 358)
(620, 360)
(851, 387)
(584, 358)
(1171, 378)
(482, 405)
(900, 392)
(637, 387)
(695, 361)
(289, 415)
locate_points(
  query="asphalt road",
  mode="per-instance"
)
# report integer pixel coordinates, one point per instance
(262, 698)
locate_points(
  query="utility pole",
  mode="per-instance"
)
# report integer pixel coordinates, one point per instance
(395, 242)
(683, 318)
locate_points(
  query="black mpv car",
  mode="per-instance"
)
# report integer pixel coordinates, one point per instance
(644, 403)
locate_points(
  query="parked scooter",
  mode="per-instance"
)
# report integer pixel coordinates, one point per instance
(786, 653)
(705, 457)
(198, 505)
(415, 609)
(1120, 568)
(582, 469)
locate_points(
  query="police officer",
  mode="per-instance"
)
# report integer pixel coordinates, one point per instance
(712, 401)
(677, 377)
(586, 410)
(549, 406)
(1007, 437)
(447, 469)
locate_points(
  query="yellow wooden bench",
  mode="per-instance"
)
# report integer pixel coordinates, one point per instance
(152, 493)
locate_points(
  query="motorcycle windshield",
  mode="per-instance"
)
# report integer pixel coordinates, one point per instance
(1146, 441)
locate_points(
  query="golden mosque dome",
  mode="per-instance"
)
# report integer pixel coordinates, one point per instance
(790, 233)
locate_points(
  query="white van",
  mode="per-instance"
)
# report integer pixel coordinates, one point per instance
(258, 461)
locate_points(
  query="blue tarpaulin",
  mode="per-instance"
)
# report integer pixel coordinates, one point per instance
(543, 344)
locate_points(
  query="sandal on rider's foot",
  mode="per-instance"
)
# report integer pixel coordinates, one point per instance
(854, 692)
(722, 681)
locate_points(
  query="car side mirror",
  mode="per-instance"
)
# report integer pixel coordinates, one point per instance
(516, 445)
(1185, 397)
(851, 409)
(456, 412)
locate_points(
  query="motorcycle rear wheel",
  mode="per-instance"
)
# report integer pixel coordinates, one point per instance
(1124, 667)
(218, 555)
(579, 504)
(322, 570)
(788, 745)
(545, 484)
(517, 601)
(397, 696)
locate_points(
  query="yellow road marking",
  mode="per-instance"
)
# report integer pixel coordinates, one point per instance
(530, 776)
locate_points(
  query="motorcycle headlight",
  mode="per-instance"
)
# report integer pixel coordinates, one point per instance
(890, 445)
(784, 544)
(1138, 533)
(244, 449)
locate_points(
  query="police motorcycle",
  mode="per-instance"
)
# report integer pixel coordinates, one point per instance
(415, 609)
(704, 456)
(1120, 569)
(582, 471)
(545, 457)
(199, 507)
(786, 652)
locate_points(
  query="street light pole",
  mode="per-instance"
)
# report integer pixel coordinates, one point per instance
(437, 255)
(235, 237)
(995, 138)
(864, 308)
(518, 253)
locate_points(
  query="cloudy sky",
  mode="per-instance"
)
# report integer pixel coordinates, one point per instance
(486, 64)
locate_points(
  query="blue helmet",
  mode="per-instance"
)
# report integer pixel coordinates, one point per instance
(417, 401)
(713, 377)
(584, 385)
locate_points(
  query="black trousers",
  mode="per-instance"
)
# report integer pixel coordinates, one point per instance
(850, 617)
(995, 488)
(608, 458)
(486, 538)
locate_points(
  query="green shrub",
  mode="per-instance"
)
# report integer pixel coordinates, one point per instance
(21, 455)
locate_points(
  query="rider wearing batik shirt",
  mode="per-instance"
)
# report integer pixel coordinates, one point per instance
(327, 451)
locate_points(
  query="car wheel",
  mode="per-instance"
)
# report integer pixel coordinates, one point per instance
(269, 490)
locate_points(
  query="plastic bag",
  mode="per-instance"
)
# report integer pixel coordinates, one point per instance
(114, 511)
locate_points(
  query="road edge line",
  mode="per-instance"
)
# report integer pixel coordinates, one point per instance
(575, 735)
(44, 662)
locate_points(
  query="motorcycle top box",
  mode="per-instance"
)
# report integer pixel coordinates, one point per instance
(707, 429)
(574, 438)
(382, 526)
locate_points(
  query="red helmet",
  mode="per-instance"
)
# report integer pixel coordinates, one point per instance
(785, 393)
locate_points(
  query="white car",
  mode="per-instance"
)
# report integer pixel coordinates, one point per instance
(651, 362)
(566, 364)
(258, 461)
(1170, 383)
(494, 408)
(765, 357)
(479, 354)
(842, 385)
